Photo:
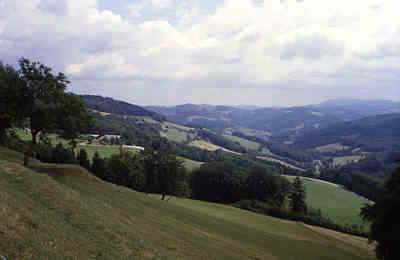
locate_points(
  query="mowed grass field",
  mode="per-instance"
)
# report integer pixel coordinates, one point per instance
(340, 205)
(210, 146)
(343, 160)
(331, 147)
(243, 142)
(63, 212)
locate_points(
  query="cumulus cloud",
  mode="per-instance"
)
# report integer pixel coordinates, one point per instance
(244, 51)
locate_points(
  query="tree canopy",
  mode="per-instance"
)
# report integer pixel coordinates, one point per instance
(384, 216)
(35, 95)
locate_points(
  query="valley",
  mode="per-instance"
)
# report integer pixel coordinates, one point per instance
(324, 155)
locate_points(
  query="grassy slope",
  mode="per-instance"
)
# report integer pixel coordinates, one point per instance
(210, 146)
(340, 205)
(65, 212)
(243, 142)
(343, 160)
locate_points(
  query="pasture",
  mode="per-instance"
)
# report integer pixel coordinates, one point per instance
(51, 211)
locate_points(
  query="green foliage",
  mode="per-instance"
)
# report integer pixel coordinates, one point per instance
(165, 173)
(267, 187)
(218, 182)
(63, 211)
(126, 169)
(374, 133)
(109, 105)
(34, 93)
(297, 197)
(99, 166)
(12, 103)
(384, 216)
(83, 159)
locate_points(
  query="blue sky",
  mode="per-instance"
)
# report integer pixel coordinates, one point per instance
(167, 52)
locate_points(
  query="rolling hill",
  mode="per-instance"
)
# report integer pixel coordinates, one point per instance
(109, 105)
(266, 121)
(62, 211)
(379, 130)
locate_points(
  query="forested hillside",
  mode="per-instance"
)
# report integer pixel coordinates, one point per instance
(266, 121)
(109, 105)
(371, 133)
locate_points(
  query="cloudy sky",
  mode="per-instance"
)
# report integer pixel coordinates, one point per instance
(168, 52)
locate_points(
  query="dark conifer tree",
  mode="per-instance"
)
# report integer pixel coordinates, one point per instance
(83, 159)
(99, 166)
(384, 216)
(298, 197)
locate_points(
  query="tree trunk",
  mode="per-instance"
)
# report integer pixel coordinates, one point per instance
(26, 159)
(34, 136)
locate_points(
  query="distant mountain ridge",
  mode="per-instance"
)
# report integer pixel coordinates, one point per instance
(273, 120)
(110, 105)
(372, 131)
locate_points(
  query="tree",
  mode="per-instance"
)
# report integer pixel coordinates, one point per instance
(165, 173)
(267, 187)
(12, 103)
(47, 106)
(297, 197)
(125, 168)
(83, 159)
(221, 182)
(99, 166)
(384, 216)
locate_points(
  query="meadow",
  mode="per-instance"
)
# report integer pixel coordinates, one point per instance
(343, 160)
(340, 205)
(53, 211)
(244, 142)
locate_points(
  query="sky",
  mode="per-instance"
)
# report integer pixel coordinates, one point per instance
(253, 52)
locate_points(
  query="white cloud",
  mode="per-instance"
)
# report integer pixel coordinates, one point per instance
(299, 47)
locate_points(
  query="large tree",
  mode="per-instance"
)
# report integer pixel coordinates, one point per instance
(12, 103)
(165, 173)
(384, 216)
(48, 108)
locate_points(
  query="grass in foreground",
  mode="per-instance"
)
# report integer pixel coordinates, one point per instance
(62, 211)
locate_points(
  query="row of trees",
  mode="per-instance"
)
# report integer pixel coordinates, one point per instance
(224, 182)
(150, 171)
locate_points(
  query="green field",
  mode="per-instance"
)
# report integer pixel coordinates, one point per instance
(340, 205)
(190, 165)
(174, 134)
(63, 212)
(244, 142)
(343, 160)
(181, 127)
(25, 135)
(104, 151)
(331, 147)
